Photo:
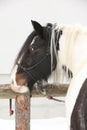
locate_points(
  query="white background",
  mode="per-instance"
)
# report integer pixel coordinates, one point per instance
(15, 25)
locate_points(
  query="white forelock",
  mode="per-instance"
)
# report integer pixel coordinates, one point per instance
(14, 86)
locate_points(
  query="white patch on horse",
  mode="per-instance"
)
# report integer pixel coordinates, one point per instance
(33, 40)
(14, 86)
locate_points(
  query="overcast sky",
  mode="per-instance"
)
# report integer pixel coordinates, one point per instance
(15, 25)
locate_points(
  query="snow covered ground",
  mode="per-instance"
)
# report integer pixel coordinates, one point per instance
(45, 114)
(37, 124)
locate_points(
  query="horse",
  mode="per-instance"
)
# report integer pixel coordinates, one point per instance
(48, 50)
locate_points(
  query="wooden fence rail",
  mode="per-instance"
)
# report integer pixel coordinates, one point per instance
(54, 90)
(22, 102)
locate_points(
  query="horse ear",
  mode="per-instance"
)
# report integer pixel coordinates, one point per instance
(38, 28)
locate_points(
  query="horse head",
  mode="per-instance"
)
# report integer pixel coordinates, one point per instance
(34, 61)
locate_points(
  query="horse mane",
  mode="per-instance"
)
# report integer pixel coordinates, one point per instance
(71, 33)
(58, 75)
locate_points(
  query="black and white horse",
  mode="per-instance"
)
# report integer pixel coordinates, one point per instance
(45, 52)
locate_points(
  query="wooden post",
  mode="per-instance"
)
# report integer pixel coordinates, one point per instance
(22, 112)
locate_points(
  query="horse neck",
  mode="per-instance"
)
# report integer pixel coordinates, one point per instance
(72, 52)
